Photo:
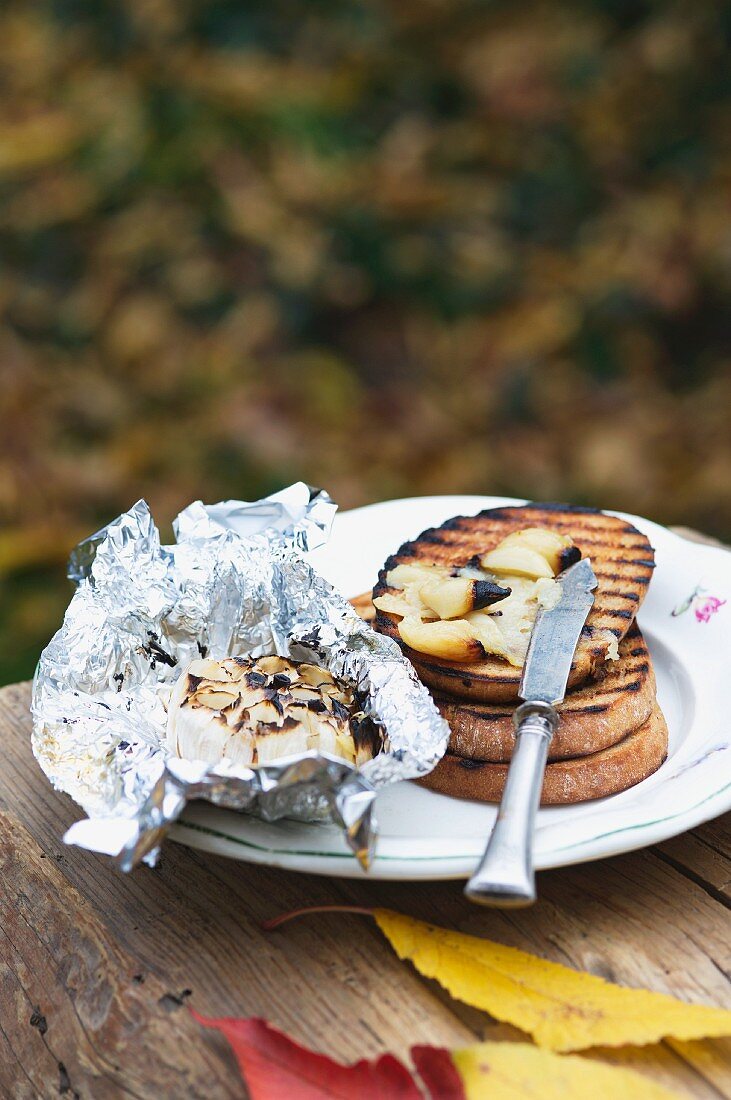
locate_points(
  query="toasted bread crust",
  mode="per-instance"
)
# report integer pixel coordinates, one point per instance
(593, 717)
(363, 604)
(579, 779)
(621, 556)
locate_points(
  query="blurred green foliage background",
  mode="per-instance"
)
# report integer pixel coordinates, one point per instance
(395, 247)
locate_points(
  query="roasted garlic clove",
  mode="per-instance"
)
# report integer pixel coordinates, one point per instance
(558, 550)
(216, 699)
(394, 604)
(516, 561)
(315, 676)
(408, 573)
(273, 743)
(454, 597)
(454, 640)
(197, 733)
(489, 634)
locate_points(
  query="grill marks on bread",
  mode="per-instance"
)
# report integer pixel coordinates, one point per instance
(622, 559)
(593, 717)
(578, 779)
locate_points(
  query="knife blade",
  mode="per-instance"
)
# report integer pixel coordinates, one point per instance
(505, 875)
(555, 634)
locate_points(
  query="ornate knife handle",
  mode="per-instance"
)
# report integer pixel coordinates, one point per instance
(505, 876)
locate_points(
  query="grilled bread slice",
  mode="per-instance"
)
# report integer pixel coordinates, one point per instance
(578, 779)
(593, 717)
(622, 559)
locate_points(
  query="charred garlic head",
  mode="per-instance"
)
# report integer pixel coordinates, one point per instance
(259, 710)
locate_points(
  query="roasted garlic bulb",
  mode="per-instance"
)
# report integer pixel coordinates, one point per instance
(260, 710)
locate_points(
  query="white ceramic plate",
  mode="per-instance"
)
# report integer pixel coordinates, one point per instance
(686, 619)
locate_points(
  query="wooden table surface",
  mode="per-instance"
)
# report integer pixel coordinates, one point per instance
(98, 967)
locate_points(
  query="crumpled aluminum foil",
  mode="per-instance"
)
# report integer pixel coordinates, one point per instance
(235, 582)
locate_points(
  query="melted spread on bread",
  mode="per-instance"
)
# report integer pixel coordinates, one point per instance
(441, 615)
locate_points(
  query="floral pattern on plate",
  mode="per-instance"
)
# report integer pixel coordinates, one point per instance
(704, 605)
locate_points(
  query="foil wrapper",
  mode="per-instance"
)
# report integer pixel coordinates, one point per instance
(235, 582)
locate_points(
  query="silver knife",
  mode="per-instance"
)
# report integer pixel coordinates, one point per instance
(505, 875)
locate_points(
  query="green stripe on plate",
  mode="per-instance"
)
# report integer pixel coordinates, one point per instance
(206, 829)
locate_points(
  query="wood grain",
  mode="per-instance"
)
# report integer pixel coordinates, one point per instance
(80, 1014)
(97, 967)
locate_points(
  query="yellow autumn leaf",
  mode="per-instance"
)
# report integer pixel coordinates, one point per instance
(562, 1009)
(519, 1071)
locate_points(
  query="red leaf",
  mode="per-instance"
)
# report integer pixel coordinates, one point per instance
(438, 1073)
(276, 1068)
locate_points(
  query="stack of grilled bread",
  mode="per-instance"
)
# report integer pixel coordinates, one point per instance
(461, 600)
